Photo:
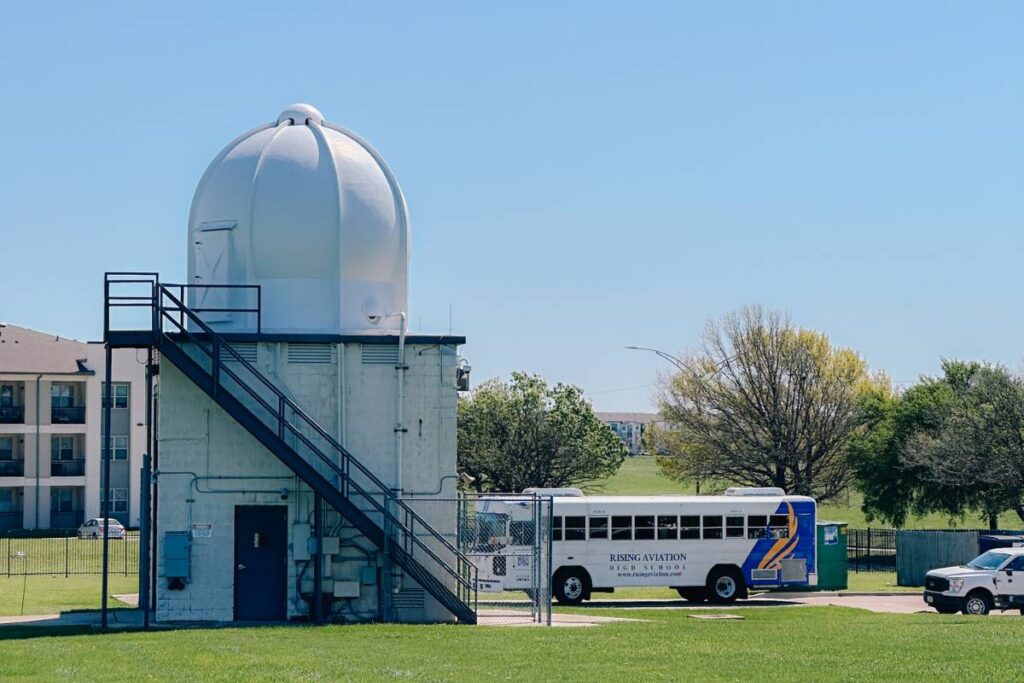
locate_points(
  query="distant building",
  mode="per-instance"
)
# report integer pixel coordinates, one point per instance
(50, 416)
(630, 427)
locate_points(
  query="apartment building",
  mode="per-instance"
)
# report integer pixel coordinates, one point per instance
(51, 391)
(630, 427)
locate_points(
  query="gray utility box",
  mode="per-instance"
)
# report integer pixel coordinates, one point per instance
(177, 554)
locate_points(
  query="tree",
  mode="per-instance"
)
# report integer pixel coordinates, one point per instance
(978, 455)
(894, 488)
(765, 403)
(524, 433)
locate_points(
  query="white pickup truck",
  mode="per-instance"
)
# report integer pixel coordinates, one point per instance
(992, 580)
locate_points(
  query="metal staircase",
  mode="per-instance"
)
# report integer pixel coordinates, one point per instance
(208, 359)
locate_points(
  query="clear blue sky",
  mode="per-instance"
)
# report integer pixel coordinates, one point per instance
(580, 177)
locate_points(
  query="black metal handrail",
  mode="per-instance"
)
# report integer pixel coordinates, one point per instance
(411, 517)
(167, 308)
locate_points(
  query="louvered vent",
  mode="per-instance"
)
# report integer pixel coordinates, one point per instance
(246, 350)
(380, 354)
(409, 598)
(311, 354)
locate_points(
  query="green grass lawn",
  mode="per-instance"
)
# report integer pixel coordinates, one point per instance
(784, 644)
(641, 476)
(53, 594)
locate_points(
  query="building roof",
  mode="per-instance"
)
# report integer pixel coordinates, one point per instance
(25, 351)
(643, 418)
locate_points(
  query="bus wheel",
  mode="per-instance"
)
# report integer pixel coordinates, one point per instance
(724, 585)
(692, 594)
(570, 586)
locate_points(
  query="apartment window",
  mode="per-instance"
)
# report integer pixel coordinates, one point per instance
(62, 500)
(119, 447)
(62, 395)
(7, 500)
(62, 447)
(118, 500)
(6, 447)
(6, 395)
(121, 394)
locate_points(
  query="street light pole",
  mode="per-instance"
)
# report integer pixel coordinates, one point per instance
(674, 360)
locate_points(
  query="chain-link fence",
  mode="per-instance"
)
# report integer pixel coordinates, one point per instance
(68, 556)
(507, 537)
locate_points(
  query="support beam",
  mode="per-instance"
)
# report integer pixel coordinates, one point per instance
(318, 560)
(144, 557)
(106, 396)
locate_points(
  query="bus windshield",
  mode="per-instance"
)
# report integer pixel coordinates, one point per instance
(490, 530)
(989, 560)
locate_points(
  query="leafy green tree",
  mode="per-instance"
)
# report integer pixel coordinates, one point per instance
(892, 487)
(765, 403)
(951, 444)
(524, 433)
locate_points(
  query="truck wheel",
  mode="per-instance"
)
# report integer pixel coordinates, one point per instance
(724, 585)
(977, 602)
(693, 594)
(570, 586)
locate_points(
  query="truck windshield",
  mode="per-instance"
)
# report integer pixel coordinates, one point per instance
(989, 560)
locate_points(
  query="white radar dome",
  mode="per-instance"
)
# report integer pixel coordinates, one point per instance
(311, 213)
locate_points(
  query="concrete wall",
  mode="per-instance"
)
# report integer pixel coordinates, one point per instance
(353, 400)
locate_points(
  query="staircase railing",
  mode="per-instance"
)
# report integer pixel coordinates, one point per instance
(407, 534)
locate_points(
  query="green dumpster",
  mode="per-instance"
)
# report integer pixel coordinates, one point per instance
(832, 560)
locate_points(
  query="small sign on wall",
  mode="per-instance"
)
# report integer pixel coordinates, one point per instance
(202, 530)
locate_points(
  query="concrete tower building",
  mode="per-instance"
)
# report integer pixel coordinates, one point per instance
(305, 460)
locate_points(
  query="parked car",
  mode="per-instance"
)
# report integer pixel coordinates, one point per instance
(93, 528)
(992, 580)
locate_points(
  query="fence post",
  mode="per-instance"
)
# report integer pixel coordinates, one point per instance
(870, 563)
(8, 557)
(67, 544)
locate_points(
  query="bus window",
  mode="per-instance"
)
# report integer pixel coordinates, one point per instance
(599, 527)
(644, 528)
(756, 526)
(622, 528)
(712, 526)
(734, 527)
(689, 526)
(556, 528)
(521, 533)
(575, 528)
(668, 528)
(780, 526)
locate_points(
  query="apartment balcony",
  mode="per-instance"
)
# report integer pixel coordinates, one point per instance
(67, 415)
(67, 468)
(11, 520)
(12, 415)
(71, 519)
(12, 468)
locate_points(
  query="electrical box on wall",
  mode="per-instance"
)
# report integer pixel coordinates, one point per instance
(301, 542)
(177, 555)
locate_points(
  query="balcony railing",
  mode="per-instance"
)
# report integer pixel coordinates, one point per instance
(12, 468)
(67, 468)
(10, 415)
(11, 520)
(66, 520)
(74, 415)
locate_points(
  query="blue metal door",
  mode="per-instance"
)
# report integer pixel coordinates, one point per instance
(261, 562)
